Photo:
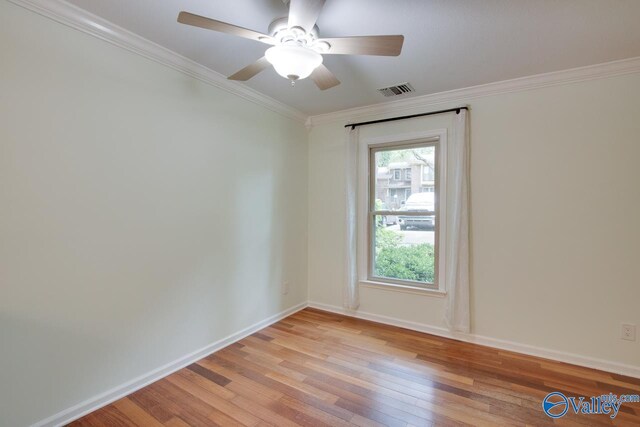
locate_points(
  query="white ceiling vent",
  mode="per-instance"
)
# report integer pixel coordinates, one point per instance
(399, 89)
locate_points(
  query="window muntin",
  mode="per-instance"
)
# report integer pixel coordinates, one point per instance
(403, 216)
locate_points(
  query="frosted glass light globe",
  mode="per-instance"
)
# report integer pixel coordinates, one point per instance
(293, 62)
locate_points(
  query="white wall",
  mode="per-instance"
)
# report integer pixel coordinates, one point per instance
(555, 185)
(143, 215)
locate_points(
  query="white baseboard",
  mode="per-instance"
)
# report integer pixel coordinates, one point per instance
(560, 356)
(97, 402)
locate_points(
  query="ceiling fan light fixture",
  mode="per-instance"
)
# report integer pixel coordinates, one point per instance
(293, 62)
(297, 47)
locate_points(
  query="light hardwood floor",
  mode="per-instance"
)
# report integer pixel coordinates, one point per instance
(320, 369)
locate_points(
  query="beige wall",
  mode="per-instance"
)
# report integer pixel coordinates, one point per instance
(143, 215)
(555, 219)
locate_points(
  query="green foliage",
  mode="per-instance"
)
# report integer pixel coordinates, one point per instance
(387, 239)
(415, 262)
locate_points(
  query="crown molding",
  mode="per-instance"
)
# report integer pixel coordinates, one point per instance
(457, 96)
(79, 19)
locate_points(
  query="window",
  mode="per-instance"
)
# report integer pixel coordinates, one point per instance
(397, 174)
(428, 172)
(403, 233)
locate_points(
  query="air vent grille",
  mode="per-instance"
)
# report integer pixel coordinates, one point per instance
(399, 89)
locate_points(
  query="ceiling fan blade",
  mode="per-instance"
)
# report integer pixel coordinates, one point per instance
(304, 13)
(365, 45)
(251, 70)
(211, 24)
(323, 78)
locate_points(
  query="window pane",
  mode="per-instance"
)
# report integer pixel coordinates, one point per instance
(404, 251)
(401, 175)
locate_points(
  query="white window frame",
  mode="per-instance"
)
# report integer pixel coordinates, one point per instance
(365, 262)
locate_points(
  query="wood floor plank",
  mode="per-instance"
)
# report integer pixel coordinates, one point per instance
(213, 400)
(221, 380)
(316, 368)
(135, 413)
(176, 422)
(108, 416)
(264, 412)
(206, 383)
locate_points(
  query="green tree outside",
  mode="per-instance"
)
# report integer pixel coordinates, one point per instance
(395, 261)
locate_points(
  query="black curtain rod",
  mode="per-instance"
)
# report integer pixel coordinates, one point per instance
(393, 119)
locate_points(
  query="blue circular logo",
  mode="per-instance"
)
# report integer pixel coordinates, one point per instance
(555, 404)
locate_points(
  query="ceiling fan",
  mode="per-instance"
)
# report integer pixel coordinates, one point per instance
(297, 49)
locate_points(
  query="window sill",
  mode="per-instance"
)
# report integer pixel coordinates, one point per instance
(403, 288)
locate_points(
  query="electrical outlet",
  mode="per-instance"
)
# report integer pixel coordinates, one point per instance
(628, 332)
(285, 288)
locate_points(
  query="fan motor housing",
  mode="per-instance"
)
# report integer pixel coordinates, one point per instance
(279, 29)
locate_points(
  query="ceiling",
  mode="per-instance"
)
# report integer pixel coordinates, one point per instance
(449, 44)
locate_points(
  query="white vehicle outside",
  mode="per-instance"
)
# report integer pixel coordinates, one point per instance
(418, 202)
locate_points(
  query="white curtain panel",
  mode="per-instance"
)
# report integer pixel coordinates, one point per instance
(351, 296)
(457, 315)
